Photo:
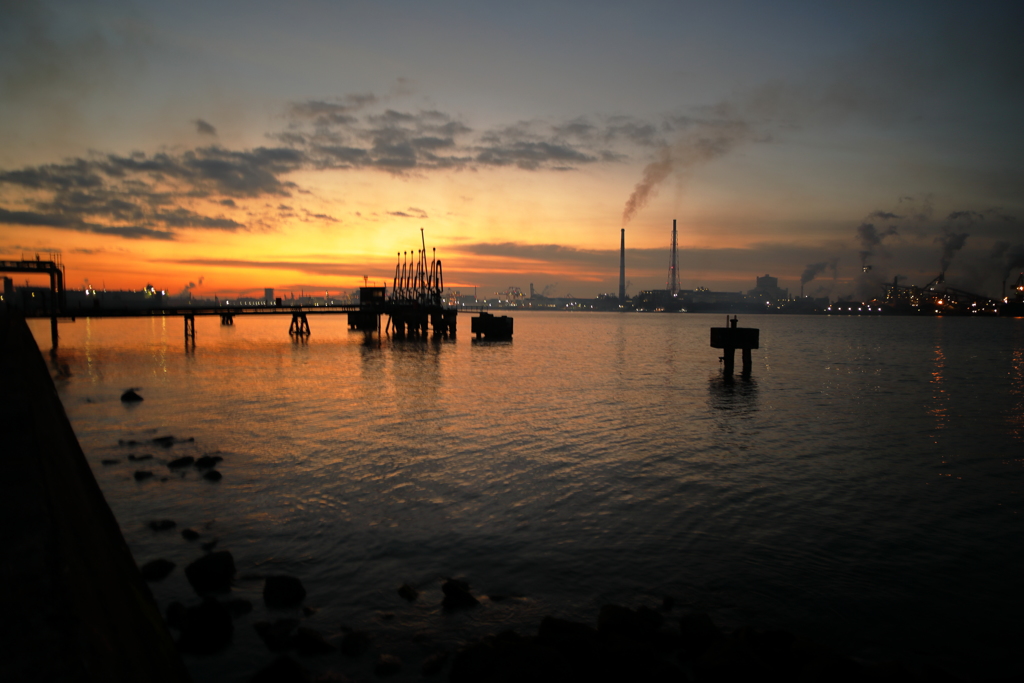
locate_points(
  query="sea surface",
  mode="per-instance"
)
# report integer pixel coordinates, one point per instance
(862, 488)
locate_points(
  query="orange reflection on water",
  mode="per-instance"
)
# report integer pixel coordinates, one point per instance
(939, 408)
(1015, 416)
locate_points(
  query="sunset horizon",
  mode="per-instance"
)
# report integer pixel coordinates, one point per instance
(778, 140)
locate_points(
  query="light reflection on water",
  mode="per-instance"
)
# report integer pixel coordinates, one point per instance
(862, 486)
(938, 408)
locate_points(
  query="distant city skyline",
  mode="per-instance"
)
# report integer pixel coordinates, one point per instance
(227, 148)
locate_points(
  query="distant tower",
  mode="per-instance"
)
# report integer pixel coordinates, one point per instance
(622, 268)
(532, 296)
(673, 265)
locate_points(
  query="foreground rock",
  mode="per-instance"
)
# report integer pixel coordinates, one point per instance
(308, 641)
(162, 524)
(408, 592)
(130, 397)
(156, 570)
(212, 573)
(354, 643)
(175, 615)
(208, 461)
(387, 665)
(283, 591)
(238, 607)
(283, 670)
(185, 461)
(433, 664)
(207, 628)
(457, 595)
(639, 645)
(278, 634)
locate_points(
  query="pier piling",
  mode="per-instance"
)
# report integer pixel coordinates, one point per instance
(731, 338)
(299, 326)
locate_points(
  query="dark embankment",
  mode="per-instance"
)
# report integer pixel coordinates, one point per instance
(74, 604)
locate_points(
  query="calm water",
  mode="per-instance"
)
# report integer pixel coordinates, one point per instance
(863, 488)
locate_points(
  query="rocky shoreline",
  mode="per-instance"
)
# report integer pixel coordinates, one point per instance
(624, 644)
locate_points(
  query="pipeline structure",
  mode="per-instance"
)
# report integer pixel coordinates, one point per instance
(416, 298)
(937, 297)
(414, 307)
(54, 268)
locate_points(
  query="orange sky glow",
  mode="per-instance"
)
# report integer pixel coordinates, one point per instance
(170, 150)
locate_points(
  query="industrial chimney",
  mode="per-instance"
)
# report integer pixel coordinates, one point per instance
(622, 269)
(673, 266)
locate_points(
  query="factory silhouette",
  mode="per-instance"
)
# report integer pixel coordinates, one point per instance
(934, 298)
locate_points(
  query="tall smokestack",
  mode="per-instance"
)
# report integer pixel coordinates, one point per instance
(622, 269)
(673, 266)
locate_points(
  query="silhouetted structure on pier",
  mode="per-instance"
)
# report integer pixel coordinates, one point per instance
(492, 327)
(416, 300)
(415, 304)
(54, 268)
(731, 338)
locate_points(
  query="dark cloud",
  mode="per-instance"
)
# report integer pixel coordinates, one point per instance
(411, 212)
(642, 133)
(147, 196)
(46, 50)
(538, 253)
(315, 268)
(326, 113)
(532, 155)
(204, 128)
(320, 216)
(579, 128)
(336, 135)
(34, 219)
(969, 216)
(183, 218)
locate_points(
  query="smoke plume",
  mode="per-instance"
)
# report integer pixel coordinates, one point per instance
(951, 242)
(812, 271)
(654, 173)
(707, 140)
(871, 238)
(1012, 257)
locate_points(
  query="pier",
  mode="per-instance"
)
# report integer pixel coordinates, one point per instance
(75, 605)
(414, 307)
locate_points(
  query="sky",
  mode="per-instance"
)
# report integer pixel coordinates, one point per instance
(226, 147)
